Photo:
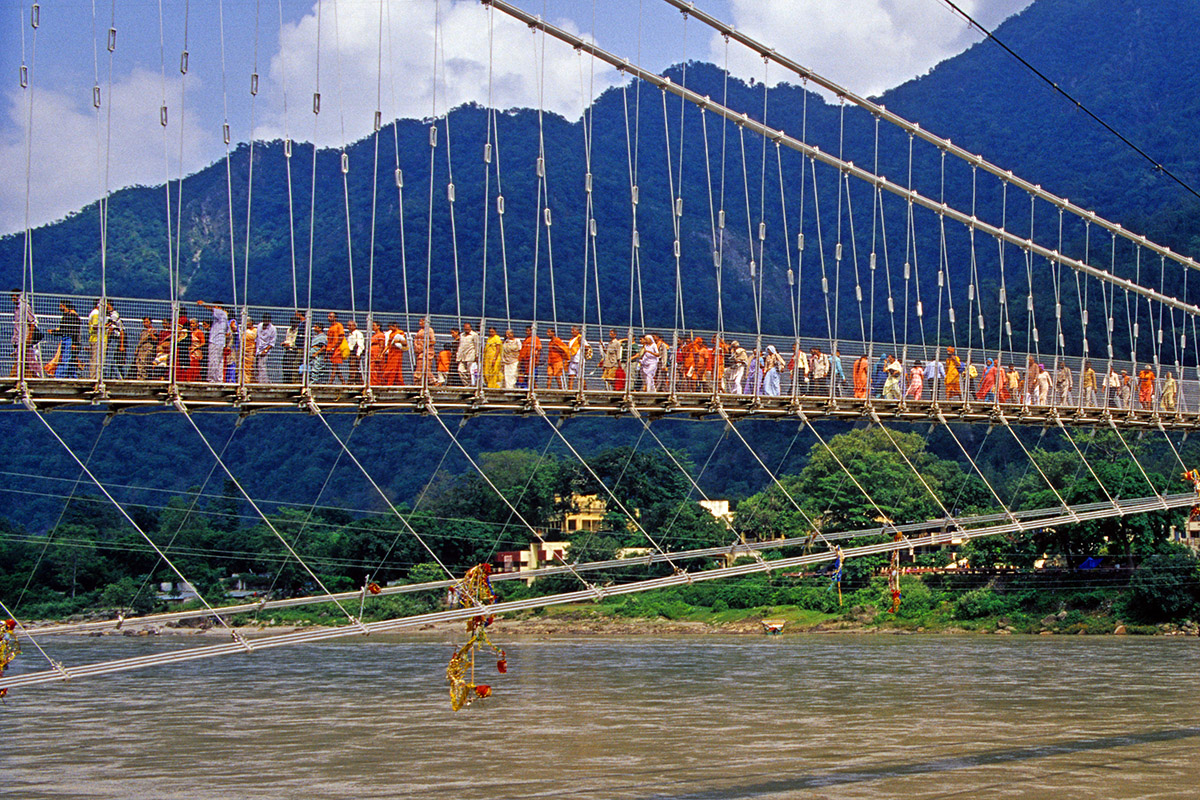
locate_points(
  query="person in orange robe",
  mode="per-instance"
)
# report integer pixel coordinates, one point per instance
(702, 355)
(687, 365)
(720, 350)
(395, 343)
(334, 335)
(1146, 387)
(531, 357)
(862, 376)
(556, 357)
(443, 365)
(378, 351)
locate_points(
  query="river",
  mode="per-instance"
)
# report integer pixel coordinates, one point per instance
(702, 717)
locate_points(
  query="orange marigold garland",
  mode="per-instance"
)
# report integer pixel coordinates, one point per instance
(475, 590)
(10, 648)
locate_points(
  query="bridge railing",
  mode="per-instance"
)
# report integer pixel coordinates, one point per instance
(150, 340)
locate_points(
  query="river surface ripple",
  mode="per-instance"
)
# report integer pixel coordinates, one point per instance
(625, 717)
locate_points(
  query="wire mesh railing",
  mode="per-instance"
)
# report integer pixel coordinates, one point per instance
(80, 339)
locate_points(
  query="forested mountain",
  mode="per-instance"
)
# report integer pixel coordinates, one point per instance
(1131, 62)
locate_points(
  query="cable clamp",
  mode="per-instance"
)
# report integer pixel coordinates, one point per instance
(240, 639)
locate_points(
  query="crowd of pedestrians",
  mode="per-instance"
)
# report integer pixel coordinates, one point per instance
(210, 345)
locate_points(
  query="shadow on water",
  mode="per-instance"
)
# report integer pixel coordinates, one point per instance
(820, 780)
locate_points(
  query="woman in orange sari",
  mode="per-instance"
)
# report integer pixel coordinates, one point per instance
(862, 374)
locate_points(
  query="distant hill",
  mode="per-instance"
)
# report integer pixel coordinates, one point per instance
(1132, 62)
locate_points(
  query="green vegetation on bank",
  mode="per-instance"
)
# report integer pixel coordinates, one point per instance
(1083, 576)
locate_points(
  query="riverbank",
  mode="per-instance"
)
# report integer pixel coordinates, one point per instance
(590, 620)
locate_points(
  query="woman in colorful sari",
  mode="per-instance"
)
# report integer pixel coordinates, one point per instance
(916, 381)
(984, 392)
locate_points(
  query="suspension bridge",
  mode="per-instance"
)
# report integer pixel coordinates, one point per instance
(980, 298)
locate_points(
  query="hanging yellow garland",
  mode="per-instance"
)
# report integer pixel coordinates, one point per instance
(475, 590)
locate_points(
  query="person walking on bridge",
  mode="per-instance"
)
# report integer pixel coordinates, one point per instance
(1146, 387)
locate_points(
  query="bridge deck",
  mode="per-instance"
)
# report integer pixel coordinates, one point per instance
(125, 395)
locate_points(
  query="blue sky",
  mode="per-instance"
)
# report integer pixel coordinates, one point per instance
(372, 54)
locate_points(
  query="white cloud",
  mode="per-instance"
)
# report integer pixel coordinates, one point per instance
(867, 46)
(350, 67)
(68, 160)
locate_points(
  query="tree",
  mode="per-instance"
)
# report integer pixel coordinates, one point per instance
(1165, 586)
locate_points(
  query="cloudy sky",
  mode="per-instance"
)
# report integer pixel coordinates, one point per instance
(407, 58)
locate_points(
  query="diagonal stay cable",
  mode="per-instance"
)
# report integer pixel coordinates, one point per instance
(1037, 516)
(1137, 463)
(695, 484)
(131, 521)
(949, 516)
(975, 466)
(221, 463)
(816, 530)
(434, 413)
(317, 412)
(416, 505)
(1045, 478)
(66, 504)
(312, 509)
(1083, 458)
(457, 614)
(542, 413)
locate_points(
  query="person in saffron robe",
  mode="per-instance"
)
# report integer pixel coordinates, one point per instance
(953, 374)
(701, 357)
(378, 352)
(1146, 387)
(334, 335)
(395, 344)
(719, 352)
(444, 357)
(531, 357)
(988, 384)
(493, 353)
(687, 365)
(556, 358)
(862, 374)
(916, 381)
